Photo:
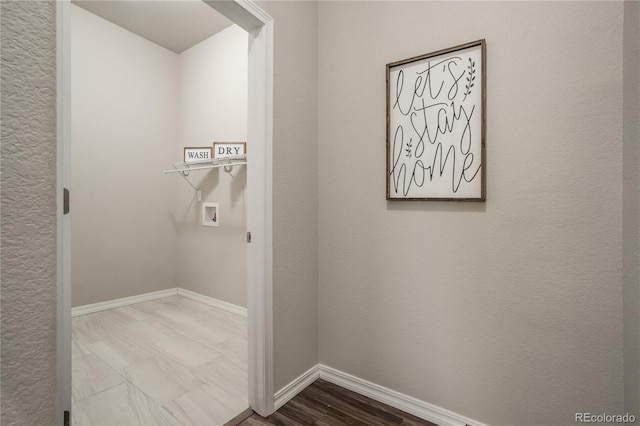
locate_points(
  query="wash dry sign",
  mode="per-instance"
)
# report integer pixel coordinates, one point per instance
(219, 150)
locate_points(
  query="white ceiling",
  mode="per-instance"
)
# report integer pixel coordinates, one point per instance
(174, 24)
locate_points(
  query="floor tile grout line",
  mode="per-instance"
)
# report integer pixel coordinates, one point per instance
(100, 391)
(151, 398)
(133, 385)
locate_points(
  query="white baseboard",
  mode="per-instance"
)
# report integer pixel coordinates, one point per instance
(216, 303)
(408, 404)
(418, 408)
(285, 394)
(118, 303)
(146, 297)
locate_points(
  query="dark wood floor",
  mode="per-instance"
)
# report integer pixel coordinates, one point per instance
(324, 403)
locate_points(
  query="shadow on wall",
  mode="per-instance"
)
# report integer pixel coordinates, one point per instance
(238, 185)
(213, 180)
(437, 206)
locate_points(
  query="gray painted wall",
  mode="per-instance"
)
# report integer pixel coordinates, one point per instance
(631, 207)
(510, 311)
(28, 213)
(124, 104)
(295, 189)
(213, 108)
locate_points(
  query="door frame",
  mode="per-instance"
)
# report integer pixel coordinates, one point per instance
(259, 26)
(63, 180)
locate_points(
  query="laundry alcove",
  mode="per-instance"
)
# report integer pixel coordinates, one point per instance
(136, 233)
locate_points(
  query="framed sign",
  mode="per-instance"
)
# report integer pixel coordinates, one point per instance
(436, 125)
(229, 149)
(192, 154)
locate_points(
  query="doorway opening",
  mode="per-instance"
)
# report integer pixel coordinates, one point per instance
(258, 216)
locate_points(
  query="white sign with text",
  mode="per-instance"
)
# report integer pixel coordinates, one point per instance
(435, 125)
(229, 149)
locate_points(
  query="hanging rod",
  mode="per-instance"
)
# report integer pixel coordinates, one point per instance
(227, 163)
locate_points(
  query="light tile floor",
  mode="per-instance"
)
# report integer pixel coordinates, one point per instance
(172, 361)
